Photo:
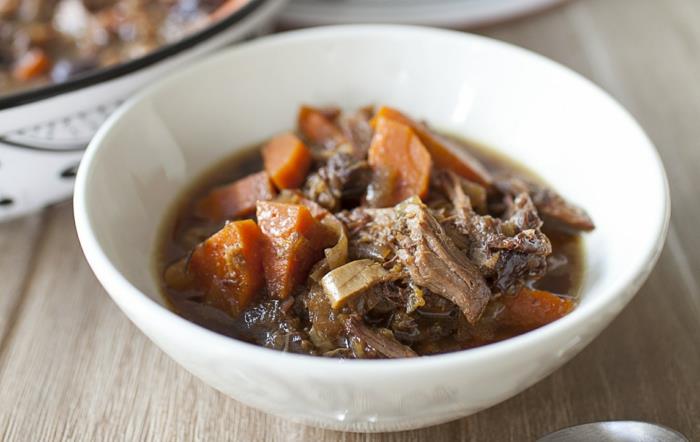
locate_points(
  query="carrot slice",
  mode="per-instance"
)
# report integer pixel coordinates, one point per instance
(236, 199)
(32, 64)
(228, 266)
(445, 155)
(226, 9)
(318, 129)
(395, 149)
(530, 309)
(287, 161)
(294, 241)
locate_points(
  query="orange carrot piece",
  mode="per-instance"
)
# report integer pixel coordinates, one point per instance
(395, 149)
(294, 241)
(32, 64)
(287, 161)
(237, 199)
(317, 128)
(530, 309)
(228, 266)
(444, 155)
(226, 9)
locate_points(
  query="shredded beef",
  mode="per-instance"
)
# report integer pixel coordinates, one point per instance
(427, 254)
(554, 209)
(509, 253)
(381, 340)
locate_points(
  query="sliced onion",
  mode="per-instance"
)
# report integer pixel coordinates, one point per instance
(337, 255)
(346, 281)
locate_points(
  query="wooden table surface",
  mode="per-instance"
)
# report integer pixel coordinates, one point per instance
(72, 367)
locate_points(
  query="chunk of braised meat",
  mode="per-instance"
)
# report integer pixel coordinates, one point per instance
(356, 128)
(435, 321)
(270, 325)
(434, 262)
(509, 253)
(428, 256)
(379, 304)
(317, 189)
(343, 175)
(379, 189)
(556, 212)
(385, 306)
(349, 177)
(342, 180)
(325, 328)
(382, 340)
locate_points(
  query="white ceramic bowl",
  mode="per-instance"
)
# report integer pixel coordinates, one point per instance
(44, 130)
(534, 110)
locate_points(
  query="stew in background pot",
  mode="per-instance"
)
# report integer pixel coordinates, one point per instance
(51, 41)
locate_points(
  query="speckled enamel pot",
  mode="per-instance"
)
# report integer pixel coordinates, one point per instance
(44, 131)
(536, 111)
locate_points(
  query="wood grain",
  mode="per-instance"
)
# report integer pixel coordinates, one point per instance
(73, 368)
(18, 243)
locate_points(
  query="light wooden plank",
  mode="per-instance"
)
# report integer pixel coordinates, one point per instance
(656, 50)
(18, 242)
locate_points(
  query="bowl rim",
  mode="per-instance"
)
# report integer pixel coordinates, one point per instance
(123, 292)
(100, 75)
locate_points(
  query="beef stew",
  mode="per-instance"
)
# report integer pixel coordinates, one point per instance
(370, 235)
